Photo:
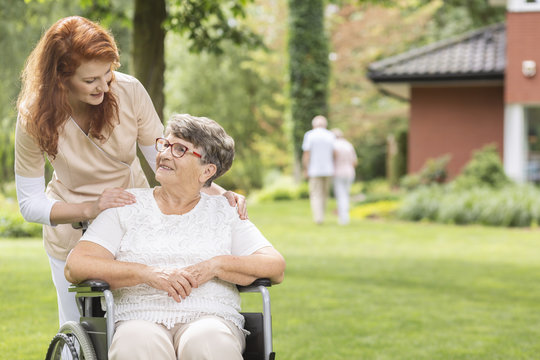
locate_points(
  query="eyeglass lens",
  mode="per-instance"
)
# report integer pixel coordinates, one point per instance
(178, 150)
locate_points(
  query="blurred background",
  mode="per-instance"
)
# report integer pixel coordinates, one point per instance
(392, 284)
(232, 61)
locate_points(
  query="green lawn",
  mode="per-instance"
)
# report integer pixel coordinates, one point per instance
(371, 290)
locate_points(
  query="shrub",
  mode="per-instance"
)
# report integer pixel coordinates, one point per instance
(302, 191)
(410, 182)
(378, 186)
(513, 205)
(433, 172)
(482, 193)
(363, 192)
(422, 203)
(462, 207)
(282, 189)
(484, 169)
(12, 223)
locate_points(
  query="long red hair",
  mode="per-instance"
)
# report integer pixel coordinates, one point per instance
(43, 101)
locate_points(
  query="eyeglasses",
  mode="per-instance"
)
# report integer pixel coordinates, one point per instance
(178, 150)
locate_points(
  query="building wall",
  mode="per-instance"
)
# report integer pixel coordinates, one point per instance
(455, 120)
(522, 43)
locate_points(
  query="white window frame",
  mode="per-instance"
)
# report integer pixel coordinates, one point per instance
(515, 145)
(523, 5)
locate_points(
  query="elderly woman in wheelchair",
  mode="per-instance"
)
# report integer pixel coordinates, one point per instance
(174, 258)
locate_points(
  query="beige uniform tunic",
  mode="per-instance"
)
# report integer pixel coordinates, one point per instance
(84, 166)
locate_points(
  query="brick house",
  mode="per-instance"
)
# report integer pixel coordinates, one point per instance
(472, 90)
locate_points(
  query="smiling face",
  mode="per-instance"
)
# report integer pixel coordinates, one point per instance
(187, 171)
(89, 83)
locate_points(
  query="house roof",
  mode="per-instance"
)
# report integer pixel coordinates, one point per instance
(476, 55)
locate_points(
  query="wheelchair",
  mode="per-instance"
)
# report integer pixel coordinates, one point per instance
(91, 338)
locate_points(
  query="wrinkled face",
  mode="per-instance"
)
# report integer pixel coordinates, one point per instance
(90, 82)
(185, 170)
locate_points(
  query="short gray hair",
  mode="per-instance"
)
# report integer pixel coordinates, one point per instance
(216, 145)
(319, 121)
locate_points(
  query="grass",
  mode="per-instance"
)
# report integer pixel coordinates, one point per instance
(370, 290)
(27, 300)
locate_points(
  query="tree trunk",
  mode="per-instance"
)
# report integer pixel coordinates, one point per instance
(149, 48)
(148, 58)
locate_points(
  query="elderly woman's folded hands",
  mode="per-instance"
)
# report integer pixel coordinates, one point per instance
(178, 283)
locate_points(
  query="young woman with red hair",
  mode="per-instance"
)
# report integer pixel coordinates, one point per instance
(87, 120)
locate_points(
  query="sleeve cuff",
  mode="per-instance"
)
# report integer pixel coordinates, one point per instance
(34, 204)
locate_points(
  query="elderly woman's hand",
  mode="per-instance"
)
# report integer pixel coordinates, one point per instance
(203, 271)
(178, 283)
(239, 201)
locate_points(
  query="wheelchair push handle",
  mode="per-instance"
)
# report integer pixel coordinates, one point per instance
(81, 225)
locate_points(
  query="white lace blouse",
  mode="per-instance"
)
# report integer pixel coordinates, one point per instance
(141, 233)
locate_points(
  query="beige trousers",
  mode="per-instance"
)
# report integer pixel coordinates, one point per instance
(209, 337)
(318, 195)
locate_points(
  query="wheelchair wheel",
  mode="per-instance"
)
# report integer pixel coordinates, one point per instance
(72, 340)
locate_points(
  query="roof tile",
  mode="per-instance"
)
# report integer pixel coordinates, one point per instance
(479, 54)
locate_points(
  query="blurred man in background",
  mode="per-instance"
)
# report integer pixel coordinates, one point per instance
(318, 165)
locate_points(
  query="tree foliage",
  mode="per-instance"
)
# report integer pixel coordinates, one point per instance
(21, 25)
(248, 88)
(207, 23)
(458, 16)
(308, 66)
(242, 89)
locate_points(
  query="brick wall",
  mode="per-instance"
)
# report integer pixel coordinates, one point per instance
(522, 43)
(456, 120)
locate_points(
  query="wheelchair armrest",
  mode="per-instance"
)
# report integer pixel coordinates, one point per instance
(254, 285)
(89, 286)
(94, 299)
(101, 285)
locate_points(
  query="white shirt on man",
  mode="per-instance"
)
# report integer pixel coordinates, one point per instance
(320, 144)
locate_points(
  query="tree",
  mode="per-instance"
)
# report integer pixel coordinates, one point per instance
(149, 48)
(354, 104)
(309, 70)
(206, 23)
(21, 24)
(243, 89)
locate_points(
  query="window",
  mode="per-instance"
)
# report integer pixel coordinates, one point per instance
(532, 118)
(523, 5)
